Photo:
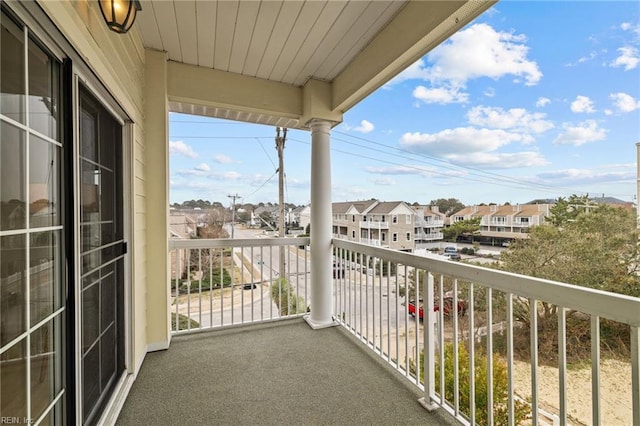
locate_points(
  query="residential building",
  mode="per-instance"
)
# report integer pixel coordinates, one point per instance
(500, 224)
(85, 289)
(300, 216)
(429, 223)
(376, 223)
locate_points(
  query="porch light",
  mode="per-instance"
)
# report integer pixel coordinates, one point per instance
(119, 14)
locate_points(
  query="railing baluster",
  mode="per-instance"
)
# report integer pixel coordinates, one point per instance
(441, 338)
(456, 338)
(428, 345)
(472, 360)
(406, 320)
(510, 370)
(635, 373)
(562, 364)
(595, 370)
(397, 309)
(533, 304)
(211, 287)
(200, 287)
(416, 352)
(189, 289)
(489, 330)
(388, 311)
(261, 263)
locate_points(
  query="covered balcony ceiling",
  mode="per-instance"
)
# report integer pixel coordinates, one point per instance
(286, 62)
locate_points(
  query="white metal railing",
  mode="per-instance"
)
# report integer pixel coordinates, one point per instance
(223, 282)
(371, 242)
(428, 237)
(374, 224)
(501, 326)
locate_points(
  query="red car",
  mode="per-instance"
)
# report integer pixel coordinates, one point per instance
(447, 307)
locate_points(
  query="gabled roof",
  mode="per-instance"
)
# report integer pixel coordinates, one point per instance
(389, 207)
(360, 207)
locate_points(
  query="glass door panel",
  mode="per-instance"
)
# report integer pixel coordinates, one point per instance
(101, 254)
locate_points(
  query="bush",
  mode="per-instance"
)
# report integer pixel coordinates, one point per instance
(467, 250)
(215, 284)
(284, 297)
(184, 322)
(500, 386)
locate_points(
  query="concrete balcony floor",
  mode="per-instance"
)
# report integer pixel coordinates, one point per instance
(271, 374)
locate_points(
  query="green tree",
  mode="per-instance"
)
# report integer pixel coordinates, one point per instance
(448, 206)
(595, 248)
(467, 226)
(285, 298)
(567, 210)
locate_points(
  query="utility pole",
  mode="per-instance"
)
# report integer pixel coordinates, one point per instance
(233, 211)
(280, 140)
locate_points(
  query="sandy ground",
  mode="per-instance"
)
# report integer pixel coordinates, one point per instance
(615, 393)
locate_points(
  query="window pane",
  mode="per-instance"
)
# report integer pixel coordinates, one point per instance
(46, 285)
(12, 288)
(90, 316)
(46, 366)
(12, 177)
(43, 91)
(12, 72)
(13, 381)
(44, 181)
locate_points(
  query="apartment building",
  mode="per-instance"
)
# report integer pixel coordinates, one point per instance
(429, 222)
(502, 223)
(388, 224)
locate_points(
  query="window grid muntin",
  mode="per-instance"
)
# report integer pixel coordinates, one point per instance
(58, 314)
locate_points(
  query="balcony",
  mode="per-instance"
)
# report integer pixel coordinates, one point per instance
(374, 224)
(261, 363)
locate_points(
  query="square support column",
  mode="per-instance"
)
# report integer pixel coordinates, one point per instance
(156, 182)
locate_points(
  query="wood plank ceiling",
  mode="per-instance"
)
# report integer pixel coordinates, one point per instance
(291, 41)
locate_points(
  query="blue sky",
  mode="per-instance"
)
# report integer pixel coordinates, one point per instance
(531, 100)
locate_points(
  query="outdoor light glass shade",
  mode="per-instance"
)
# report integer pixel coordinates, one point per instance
(119, 14)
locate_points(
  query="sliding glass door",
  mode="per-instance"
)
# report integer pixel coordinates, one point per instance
(102, 251)
(32, 283)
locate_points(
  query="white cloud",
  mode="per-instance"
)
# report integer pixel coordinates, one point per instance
(581, 134)
(364, 127)
(471, 146)
(497, 160)
(624, 102)
(625, 26)
(587, 176)
(383, 182)
(415, 71)
(481, 51)
(181, 148)
(628, 58)
(542, 101)
(515, 119)
(203, 167)
(414, 170)
(490, 92)
(582, 104)
(223, 159)
(440, 95)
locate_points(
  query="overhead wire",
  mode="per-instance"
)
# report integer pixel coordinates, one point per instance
(482, 176)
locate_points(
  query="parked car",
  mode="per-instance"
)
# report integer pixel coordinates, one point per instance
(450, 249)
(453, 256)
(446, 307)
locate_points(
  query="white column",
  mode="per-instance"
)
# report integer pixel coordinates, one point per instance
(321, 256)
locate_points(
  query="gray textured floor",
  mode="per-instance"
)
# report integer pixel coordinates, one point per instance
(271, 374)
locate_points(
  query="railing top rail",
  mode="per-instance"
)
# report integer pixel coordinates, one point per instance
(241, 242)
(613, 306)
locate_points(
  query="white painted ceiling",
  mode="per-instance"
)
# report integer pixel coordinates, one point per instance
(292, 41)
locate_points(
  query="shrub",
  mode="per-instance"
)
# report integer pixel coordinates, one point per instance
(284, 297)
(500, 386)
(184, 322)
(215, 283)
